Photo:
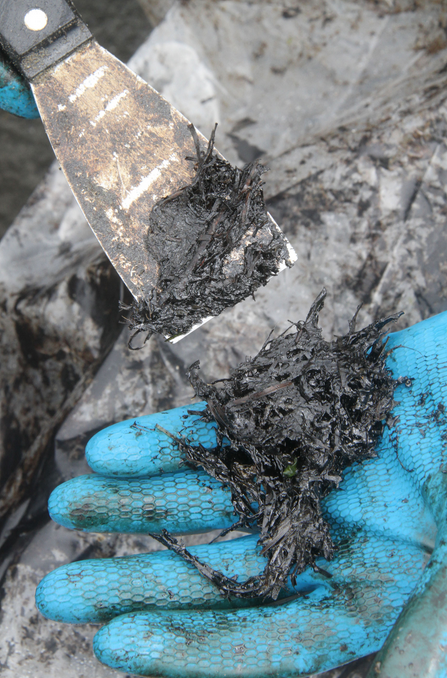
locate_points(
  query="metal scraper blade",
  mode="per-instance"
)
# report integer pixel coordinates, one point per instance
(122, 147)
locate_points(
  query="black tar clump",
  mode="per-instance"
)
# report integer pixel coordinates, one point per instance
(193, 234)
(296, 415)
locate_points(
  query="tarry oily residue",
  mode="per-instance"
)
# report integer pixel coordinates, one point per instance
(291, 419)
(215, 245)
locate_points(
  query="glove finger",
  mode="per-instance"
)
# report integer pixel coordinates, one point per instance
(188, 501)
(254, 643)
(334, 621)
(15, 95)
(98, 590)
(140, 447)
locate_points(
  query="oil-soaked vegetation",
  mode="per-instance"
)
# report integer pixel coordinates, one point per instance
(215, 244)
(290, 420)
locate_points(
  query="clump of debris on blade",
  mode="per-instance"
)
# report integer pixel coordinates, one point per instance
(215, 245)
(291, 419)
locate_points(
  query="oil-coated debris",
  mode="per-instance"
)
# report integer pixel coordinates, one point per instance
(291, 419)
(215, 245)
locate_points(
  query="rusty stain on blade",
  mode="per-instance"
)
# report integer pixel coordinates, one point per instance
(136, 155)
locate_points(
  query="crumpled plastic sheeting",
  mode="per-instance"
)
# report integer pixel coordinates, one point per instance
(347, 102)
(56, 327)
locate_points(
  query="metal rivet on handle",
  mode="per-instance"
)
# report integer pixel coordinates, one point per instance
(35, 19)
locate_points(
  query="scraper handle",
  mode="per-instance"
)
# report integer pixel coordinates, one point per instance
(35, 34)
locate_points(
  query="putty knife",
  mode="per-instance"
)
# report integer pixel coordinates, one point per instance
(121, 145)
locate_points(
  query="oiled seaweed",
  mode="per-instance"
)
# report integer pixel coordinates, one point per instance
(291, 419)
(215, 245)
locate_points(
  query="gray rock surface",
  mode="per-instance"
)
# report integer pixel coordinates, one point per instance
(346, 102)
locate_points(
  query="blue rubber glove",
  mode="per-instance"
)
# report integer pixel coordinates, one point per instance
(165, 619)
(15, 95)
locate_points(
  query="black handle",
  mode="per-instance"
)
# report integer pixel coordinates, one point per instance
(38, 33)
